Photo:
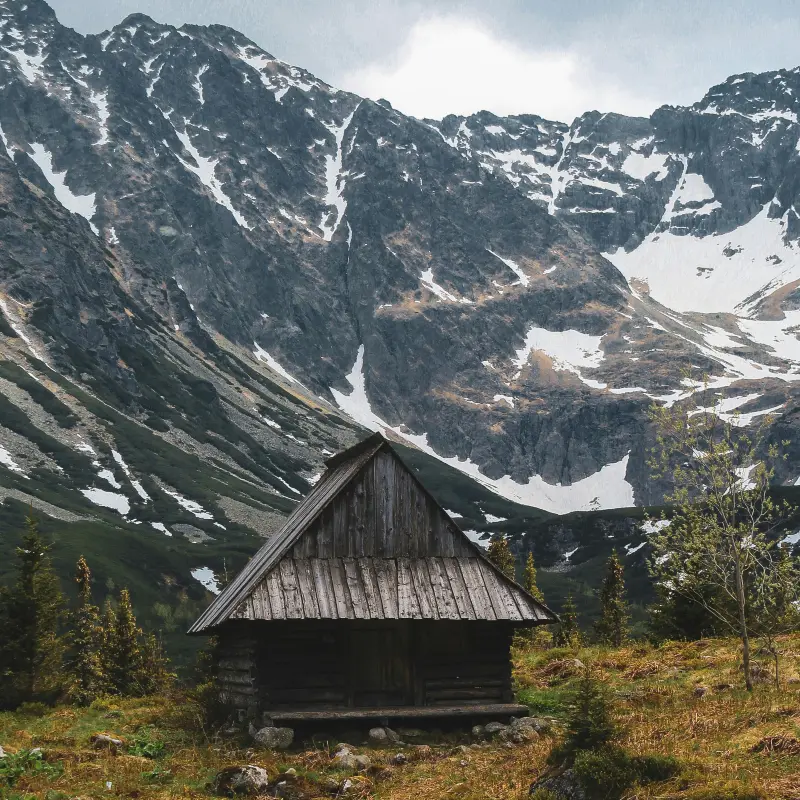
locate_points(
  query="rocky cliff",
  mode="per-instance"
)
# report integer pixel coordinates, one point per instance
(214, 267)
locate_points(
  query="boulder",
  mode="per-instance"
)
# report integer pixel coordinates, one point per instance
(378, 736)
(564, 785)
(493, 728)
(104, 741)
(274, 738)
(247, 779)
(345, 757)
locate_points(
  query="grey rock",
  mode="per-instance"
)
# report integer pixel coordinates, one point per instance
(378, 736)
(274, 738)
(478, 731)
(564, 785)
(2, 752)
(493, 728)
(248, 779)
(346, 758)
(102, 741)
(399, 759)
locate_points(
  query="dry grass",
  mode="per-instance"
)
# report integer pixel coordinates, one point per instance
(730, 742)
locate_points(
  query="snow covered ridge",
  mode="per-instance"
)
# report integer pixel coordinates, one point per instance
(607, 488)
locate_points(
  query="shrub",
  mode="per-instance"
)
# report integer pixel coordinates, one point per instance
(146, 744)
(590, 723)
(604, 774)
(26, 762)
(607, 773)
(33, 709)
(544, 794)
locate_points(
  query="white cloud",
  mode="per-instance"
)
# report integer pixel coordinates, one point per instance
(455, 66)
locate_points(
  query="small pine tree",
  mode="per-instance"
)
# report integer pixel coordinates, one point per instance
(590, 723)
(85, 668)
(499, 553)
(529, 580)
(612, 627)
(33, 611)
(538, 635)
(126, 655)
(567, 632)
(134, 663)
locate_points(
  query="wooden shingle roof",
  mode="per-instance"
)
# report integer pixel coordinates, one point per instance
(369, 542)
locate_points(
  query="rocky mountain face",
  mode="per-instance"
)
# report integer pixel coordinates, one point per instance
(215, 267)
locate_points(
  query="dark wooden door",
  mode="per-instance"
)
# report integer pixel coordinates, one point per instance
(380, 665)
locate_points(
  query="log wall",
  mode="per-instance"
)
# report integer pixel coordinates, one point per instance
(321, 665)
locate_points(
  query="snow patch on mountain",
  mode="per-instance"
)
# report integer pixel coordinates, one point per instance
(569, 351)
(335, 180)
(205, 170)
(100, 101)
(262, 355)
(7, 460)
(513, 266)
(82, 204)
(206, 576)
(105, 499)
(716, 273)
(606, 488)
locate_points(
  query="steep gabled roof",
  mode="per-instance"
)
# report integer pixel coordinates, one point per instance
(370, 542)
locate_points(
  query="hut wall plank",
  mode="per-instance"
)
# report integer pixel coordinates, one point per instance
(369, 581)
(344, 605)
(307, 588)
(459, 590)
(421, 582)
(275, 589)
(291, 595)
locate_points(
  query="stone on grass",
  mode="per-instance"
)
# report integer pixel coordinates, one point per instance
(346, 758)
(247, 779)
(700, 691)
(564, 785)
(478, 731)
(274, 738)
(104, 741)
(378, 736)
(2, 753)
(400, 759)
(493, 728)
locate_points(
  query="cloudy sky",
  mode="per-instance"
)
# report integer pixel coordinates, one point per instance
(556, 58)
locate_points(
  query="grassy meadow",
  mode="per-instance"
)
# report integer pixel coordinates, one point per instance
(681, 699)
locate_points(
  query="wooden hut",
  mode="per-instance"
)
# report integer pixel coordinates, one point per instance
(370, 602)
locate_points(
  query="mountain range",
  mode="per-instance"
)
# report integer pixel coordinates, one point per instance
(216, 270)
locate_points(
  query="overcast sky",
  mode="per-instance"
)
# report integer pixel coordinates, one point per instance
(556, 58)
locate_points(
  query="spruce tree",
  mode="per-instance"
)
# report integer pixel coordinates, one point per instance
(33, 611)
(612, 627)
(567, 632)
(538, 635)
(126, 654)
(86, 638)
(134, 663)
(501, 556)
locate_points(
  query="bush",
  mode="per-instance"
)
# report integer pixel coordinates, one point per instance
(26, 762)
(590, 723)
(544, 794)
(607, 773)
(604, 774)
(33, 709)
(146, 744)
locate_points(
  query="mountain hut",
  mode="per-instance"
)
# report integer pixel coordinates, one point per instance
(370, 602)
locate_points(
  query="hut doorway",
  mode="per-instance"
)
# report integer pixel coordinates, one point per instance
(380, 667)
